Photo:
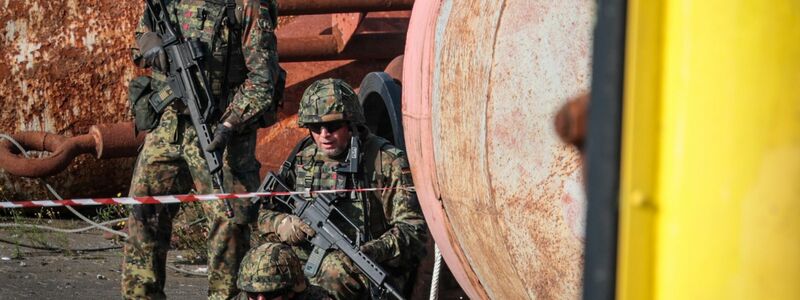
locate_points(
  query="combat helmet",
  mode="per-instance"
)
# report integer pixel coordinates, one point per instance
(328, 100)
(272, 267)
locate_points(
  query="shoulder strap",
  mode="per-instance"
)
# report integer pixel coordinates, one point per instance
(372, 148)
(374, 214)
(289, 162)
(228, 13)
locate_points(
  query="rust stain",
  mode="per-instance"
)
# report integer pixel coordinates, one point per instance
(65, 65)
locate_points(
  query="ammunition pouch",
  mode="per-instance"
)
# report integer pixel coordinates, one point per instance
(146, 103)
(139, 91)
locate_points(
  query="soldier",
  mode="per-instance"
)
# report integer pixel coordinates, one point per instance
(241, 63)
(271, 271)
(390, 224)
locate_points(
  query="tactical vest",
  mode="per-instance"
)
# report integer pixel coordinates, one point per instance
(217, 24)
(313, 174)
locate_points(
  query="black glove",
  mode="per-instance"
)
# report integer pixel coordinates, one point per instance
(221, 137)
(153, 54)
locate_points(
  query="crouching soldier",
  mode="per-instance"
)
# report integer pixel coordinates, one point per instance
(387, 223)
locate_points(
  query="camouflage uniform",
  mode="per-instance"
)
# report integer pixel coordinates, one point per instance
(273, 269)
(171, 161)
(392, 219)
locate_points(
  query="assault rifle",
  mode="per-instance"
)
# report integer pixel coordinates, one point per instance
(317, 213)
(186, 78)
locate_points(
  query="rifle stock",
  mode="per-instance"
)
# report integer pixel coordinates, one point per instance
(317, 214)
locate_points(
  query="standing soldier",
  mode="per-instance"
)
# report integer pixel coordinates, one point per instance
(391, 229)
(239, 46)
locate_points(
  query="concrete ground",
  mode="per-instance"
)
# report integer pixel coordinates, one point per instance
(27, 273)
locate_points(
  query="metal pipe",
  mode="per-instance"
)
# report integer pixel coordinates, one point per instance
(314, 7)
(370, 46)
(104, 141)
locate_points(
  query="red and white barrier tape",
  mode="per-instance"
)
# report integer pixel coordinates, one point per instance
(170, 198)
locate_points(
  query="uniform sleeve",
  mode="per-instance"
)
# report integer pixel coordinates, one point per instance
(406, 237)
(271, 214)
(259, 47)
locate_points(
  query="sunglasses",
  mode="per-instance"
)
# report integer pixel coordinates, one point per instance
(330, 126)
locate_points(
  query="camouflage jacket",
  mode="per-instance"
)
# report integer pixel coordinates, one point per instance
(252, 61)
(392, 218)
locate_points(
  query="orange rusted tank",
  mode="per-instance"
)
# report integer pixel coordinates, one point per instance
(502, 195)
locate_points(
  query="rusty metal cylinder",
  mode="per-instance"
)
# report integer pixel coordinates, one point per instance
(116, 140)
(370, 46)
(502, 195)
(305, 7)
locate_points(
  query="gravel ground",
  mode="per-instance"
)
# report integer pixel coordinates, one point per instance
(27, 273)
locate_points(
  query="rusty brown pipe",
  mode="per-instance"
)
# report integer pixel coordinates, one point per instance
(325, 47)
(313, 7)
(103, 141)
(570, 121)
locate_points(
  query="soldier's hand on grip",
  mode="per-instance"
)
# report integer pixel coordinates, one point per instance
(153, 54)
(293, 231)
(221, 137)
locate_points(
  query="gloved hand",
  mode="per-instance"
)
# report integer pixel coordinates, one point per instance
(375, 249)
(221, 137)
(293, 231)
(153, 54)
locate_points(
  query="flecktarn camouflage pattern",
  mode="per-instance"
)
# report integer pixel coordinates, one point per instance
(269, 268)
(329, 100)
(171, 161)
(391, 219)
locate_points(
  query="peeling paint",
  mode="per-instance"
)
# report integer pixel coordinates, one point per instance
(65, 65)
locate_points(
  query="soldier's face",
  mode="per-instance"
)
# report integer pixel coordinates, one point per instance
(331, 137)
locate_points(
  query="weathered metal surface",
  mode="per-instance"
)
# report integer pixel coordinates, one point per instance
(102, 141)
(370, 46)
(417, 84)
(63, 151)
(64, 66)
(510, 191)
(306, 7)
(116, 140)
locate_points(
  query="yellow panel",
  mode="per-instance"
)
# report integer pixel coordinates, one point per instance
(730, 163)
(639, 149)
(710, 195)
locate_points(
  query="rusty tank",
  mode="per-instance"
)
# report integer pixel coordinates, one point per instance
(481, 84)
(502, 195)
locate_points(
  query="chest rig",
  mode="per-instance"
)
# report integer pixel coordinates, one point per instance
(314, 172)
(216, 24)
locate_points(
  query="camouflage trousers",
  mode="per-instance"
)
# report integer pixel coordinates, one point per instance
(171, 163)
